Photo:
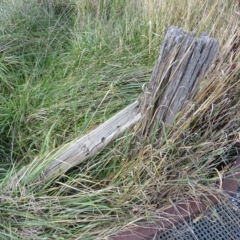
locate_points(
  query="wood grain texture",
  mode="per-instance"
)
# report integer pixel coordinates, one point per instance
(93, 142)
(182, 61)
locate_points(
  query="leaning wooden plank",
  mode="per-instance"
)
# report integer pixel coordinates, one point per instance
(92, 143)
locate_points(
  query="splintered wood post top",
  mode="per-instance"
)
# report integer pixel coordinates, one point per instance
(182, 61)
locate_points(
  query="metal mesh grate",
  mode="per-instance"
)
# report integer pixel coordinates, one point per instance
(220, 223)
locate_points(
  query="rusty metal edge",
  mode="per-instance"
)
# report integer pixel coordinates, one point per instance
(181, 211)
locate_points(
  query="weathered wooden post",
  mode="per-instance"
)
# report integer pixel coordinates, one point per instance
(181, 62)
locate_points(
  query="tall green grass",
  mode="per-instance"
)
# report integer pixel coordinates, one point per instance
(66, 67)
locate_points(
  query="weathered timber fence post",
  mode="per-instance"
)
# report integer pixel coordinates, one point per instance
(181, 62)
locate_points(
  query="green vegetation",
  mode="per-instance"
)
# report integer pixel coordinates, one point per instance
(66, 67)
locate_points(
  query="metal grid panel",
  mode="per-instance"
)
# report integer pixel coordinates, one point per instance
(220, 223)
